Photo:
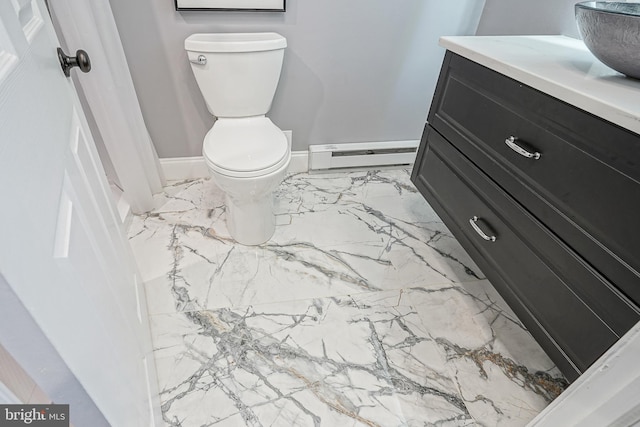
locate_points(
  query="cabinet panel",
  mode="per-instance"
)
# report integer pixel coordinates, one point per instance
(573, 328)
(586, 184)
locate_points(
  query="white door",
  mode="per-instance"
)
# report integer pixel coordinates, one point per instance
(62, 248)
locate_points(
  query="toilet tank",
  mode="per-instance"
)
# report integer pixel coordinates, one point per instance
(237, 72)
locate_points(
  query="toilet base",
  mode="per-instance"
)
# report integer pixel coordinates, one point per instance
(251, 222)
(249, 198)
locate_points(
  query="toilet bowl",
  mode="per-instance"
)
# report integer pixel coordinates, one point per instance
(247, 155)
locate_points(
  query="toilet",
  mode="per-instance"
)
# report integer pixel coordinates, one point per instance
(247, 155)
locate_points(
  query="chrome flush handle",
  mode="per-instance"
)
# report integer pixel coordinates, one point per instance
(473, 221)
(201, 60)
(511, 142)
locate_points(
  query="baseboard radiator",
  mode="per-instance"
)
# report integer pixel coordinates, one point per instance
(362, 155)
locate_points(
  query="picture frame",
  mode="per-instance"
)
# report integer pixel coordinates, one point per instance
(232, 5)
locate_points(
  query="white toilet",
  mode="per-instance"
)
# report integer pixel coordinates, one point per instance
(246, 153)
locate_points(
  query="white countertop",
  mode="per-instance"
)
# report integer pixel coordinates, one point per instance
(559, 66)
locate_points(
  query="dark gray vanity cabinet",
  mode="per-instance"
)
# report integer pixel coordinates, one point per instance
(545, 198)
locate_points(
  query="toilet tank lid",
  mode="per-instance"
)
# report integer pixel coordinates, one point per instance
(234, 42)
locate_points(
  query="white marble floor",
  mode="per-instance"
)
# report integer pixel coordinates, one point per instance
(362, 310)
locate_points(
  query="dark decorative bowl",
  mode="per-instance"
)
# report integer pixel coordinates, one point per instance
(611, 31)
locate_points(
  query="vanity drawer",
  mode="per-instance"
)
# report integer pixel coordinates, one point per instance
(573, 312)
(586, 184)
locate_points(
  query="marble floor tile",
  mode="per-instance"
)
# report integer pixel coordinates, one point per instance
(502, 374)
(341, 234)
(361, 360)
(362, 310)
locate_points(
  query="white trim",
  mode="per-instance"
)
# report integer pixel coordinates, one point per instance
(362, 155)
(605, 395)
(299, 162)
(111, 99)
(273, 5)
(181, 168)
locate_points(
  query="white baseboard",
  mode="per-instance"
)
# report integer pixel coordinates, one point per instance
(181, 168)
(299, 162)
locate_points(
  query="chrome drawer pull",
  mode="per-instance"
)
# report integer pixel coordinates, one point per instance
(473, 221)
(511, 142)
(201, 60)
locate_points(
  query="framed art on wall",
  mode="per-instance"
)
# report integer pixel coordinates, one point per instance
(261, 5)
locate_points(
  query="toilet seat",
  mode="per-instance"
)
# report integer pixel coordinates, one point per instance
(245, 147)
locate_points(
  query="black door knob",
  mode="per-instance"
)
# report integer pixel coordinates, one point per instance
(81, 60)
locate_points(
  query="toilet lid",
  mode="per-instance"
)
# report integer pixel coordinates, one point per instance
(245, 147)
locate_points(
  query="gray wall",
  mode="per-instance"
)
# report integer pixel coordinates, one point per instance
(355, 70)
(517, 17)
